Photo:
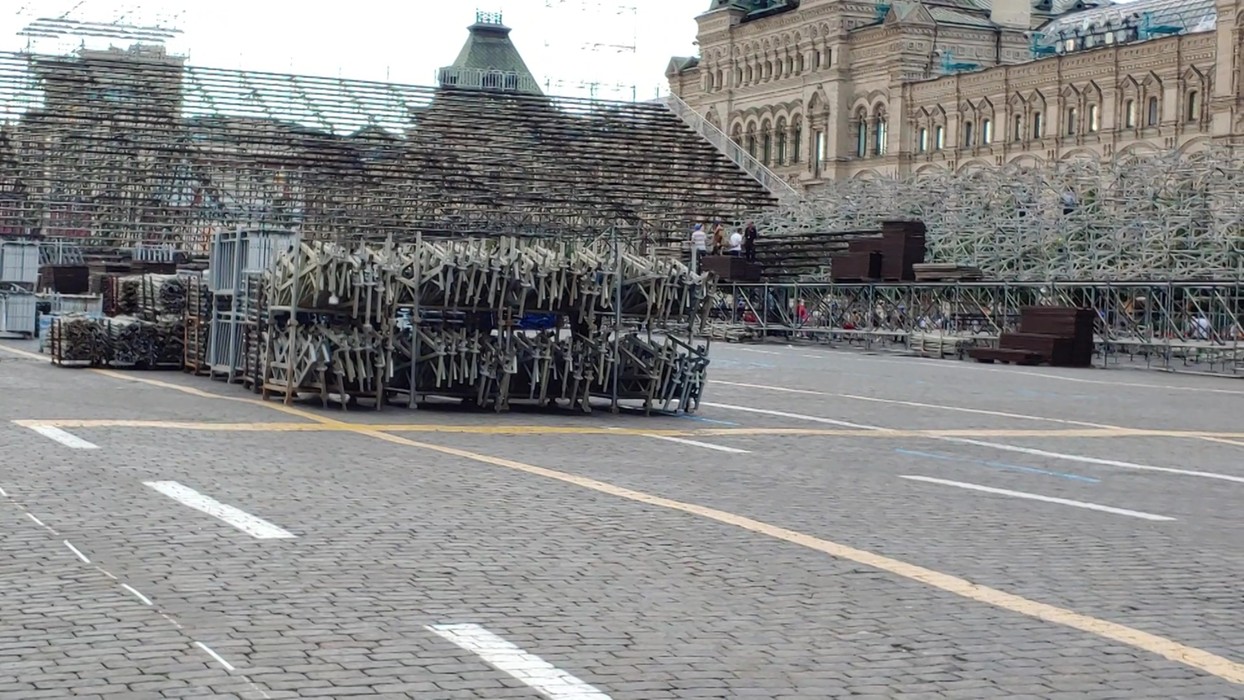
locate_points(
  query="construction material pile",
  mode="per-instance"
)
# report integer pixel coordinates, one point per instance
(122, 342)
(482, 321)
(150, 296)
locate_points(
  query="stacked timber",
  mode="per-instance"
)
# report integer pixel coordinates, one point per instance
(891, 256)
(1054, 335)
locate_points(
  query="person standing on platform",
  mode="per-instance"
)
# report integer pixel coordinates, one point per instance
(699, 246)
(736, 244)
(719, 239)
(749, 241)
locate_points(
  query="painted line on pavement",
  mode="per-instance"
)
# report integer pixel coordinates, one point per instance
(999, 465)
(77, 553)
(251, 525)
(934, 435)
(784, 414)
(134, 591)
(1172, 650)
(697, 443)
(1038, 497)
(1094, 460)
(65, 438)
(540, 675)
(38, 522)
(973, 367)
(220, 660)
(917, 404)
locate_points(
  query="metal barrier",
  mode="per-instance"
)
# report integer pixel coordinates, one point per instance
(1191, 326)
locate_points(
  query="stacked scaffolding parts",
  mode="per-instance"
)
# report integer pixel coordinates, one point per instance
(122, 147)
(1167, 217)
(485, 321)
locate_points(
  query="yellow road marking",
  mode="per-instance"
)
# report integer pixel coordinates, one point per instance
(330, 425)
(1194, 657)
(1207, 662)
(1195, 435)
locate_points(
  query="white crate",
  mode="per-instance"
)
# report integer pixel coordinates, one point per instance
(17, 315)
(19, 263)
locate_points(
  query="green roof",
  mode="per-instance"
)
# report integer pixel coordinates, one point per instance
(488, 49)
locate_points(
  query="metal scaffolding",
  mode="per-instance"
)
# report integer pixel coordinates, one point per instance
(122, 146)
(1162, 217)
(1167, 325)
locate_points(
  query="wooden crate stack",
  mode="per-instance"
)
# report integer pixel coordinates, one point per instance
(890, 256)
(1055, 335)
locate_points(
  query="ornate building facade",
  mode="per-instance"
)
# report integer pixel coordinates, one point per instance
(829, 89)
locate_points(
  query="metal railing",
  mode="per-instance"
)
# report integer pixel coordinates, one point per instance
(477, 79)
(732, 150)
(1181, 326)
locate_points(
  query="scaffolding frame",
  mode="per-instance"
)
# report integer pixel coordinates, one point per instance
(1159, 217)
(112, 148)
(1164, 325)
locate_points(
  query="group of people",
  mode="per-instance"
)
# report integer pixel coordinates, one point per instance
(717, 242)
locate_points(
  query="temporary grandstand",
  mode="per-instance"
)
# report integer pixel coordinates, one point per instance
(119, 146)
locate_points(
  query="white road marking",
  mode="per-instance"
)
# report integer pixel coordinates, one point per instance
(545, 678)
(1038, 497)
(228, 666)
(105, 572)
(76, 553)
(916, 404)
(696, 443)
(974, 367)
(38, 522)
(146, 601)
(797, 416)
(760, 352)
(65, 438)
(1095, 460)
(997, 445)
(251, 525)
(4, 493)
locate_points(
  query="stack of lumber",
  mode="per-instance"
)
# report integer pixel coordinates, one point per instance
(1054, 335)
(947, 272)
(890, 256)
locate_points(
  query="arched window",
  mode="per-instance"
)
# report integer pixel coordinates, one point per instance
(1017, 129)
(766, 152)
(939, 138)
(879, 135)
(922, 141)
(751, 144)
(861, 136)
(968, 134)
(1094, 119)
(986, 131)
(799, 63)
(1071, 121)
(1192, 107)
(1038, 126)
(1129, 114)
(1152, 112)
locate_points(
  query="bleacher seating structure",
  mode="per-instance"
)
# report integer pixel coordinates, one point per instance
(113, 147)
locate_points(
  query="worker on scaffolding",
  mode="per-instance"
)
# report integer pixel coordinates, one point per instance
(750, 234)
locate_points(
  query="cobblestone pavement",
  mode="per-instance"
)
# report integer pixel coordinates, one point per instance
(773, 546)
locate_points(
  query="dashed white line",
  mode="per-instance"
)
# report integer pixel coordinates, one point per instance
(227, 666)
(537, 673)
(251, 525)
(78, 554)
(65, 438)
(4, 493)
(1038, 497)
(38, 522)
(697, 443)
(146, 601)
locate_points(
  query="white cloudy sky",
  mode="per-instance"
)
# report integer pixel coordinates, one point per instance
(403, 41)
